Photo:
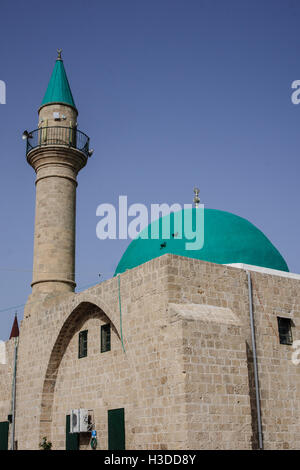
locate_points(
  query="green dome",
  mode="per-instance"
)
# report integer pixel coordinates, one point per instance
(228, 239)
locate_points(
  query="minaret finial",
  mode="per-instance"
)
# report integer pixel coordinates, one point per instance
(59, 51)
(196, 197)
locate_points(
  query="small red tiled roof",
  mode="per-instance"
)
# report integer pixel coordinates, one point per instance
(15, 329)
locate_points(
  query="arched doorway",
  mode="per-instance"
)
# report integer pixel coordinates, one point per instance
(86, 313)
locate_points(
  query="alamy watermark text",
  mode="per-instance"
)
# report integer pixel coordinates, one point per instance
(176, 223)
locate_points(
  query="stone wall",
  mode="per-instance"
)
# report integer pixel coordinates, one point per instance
(185, 379)
(216, 387)
(146, 380)
(6, 371)
(198, 282)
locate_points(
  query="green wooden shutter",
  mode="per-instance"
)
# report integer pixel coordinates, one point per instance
(116, 429)
(105, 338)
(82, 344)
(72, 439)
(4, 435)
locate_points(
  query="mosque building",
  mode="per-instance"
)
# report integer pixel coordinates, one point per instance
(181, 349)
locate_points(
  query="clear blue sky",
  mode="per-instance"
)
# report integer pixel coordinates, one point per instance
(173, 93)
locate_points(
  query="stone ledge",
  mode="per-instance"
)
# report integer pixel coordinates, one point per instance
(207, 313)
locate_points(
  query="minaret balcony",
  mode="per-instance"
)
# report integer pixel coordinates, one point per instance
(58, 136)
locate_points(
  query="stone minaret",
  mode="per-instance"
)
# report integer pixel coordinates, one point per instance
(57, 150)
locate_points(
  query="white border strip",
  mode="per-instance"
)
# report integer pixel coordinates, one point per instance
(273, 272)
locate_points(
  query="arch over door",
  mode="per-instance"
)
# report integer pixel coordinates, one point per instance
(72, 323)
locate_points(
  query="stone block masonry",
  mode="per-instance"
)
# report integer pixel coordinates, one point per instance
(185, 379)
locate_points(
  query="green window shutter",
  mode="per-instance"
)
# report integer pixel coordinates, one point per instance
(72, 439)
(116, 429)
(4, 435)
(105, 338)
(82, 343)
(285, 330)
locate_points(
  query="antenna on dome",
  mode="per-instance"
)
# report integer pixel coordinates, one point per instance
(196, 199)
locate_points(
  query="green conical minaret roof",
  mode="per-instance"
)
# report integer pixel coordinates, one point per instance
(59, 90)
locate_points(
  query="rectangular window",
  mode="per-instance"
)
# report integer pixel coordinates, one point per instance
(285, 330)
(82, 346)
(105, 338)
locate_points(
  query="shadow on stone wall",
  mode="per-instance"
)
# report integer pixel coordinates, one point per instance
(254, 422)
(83, 312)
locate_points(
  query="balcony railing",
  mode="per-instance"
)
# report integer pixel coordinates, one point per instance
(55, 135)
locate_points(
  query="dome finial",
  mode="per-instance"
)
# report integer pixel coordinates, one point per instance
(59, 51)
(196, 197)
